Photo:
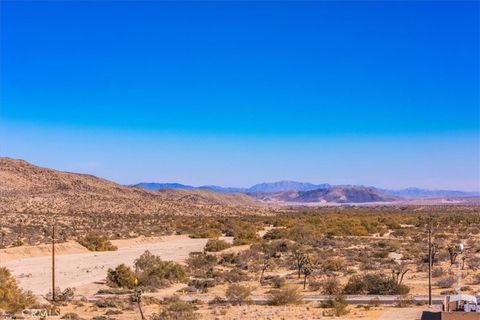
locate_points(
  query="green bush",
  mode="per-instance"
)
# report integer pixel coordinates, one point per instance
(374, 284)
(95, 242)
(66, 295)
(177, 310)
(12, 298)
(334, 264)
(245, 234)
(331, 286)
(201, 261)
(338, 304)
(154, 272)
(276, 233)
(215, 245)
(286, 295)
(122, 277)
(237, 294)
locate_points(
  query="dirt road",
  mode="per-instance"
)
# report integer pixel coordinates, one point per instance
(80, 269)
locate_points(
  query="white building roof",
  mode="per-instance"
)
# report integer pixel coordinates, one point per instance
(463, 297)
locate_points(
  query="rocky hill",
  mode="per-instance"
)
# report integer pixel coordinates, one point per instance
(340, 194)
(28, 188)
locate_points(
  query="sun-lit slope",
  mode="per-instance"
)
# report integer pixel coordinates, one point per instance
(28, 188)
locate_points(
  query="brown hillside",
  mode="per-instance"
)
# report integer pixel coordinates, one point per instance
(28, 188)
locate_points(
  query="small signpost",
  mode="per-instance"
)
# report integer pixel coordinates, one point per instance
(138, 297)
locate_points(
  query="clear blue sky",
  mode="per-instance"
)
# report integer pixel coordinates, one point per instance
(233, 93)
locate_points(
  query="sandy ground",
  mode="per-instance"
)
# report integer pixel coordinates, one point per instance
(254, 312)
(82, 270)
(16, 253)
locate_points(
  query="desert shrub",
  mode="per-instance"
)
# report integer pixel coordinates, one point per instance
(437, 272)
(374, 284)
(112, 312)
(206, 233)
(331, 286)
(238, 294)
(155, 272)
(233, 275)
(474, 263)
(334, 264)
(245, 233)
(177, 310)
(338, 304)
(12, 298)
(218, 301)
(476, 279)
(200, 263)
(276, 233)
(228, 259)
(446, 282)
(202, 284)
(94, 242)
(200, 260)
(286, 295)
(66, 295)
(404, 301)
(71, 316)
(315, 285)
(109, 302)
(122, 276)
(375, 302)
(215, 245)
(278, 282)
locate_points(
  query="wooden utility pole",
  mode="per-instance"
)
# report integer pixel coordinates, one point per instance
(53, 262)
(430, 263)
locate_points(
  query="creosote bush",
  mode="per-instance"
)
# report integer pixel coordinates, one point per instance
(94, 242)
(154, 272)
(177, 310)
(446, 282)
(64, 296)
(338, 304)
(12, 298)
(238, 294)
(287, 295)
(374, 284)
(215, 245)
(122, 277)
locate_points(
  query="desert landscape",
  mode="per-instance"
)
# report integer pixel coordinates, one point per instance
(210, 255)
(239, 160)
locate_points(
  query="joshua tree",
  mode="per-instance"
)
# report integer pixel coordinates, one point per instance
(307, 270)
(453, 252)
(398, 273)
(301, 259)
(267, 263)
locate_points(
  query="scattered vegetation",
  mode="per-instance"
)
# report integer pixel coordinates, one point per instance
(122, 277)
(374, 284)
(12, 298)
(215, 245)
(154, 272)
(94, 242)
(287, 295)
(177, 310)
(238, 294)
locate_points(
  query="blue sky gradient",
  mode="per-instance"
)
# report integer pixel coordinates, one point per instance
(235, 93)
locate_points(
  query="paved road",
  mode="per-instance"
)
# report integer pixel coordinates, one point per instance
(351, 299)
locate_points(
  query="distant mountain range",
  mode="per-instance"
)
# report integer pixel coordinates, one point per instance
(338, 194)
(258, 188)
(299, 190)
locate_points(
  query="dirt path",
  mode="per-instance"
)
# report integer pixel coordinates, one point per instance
(81, 269)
